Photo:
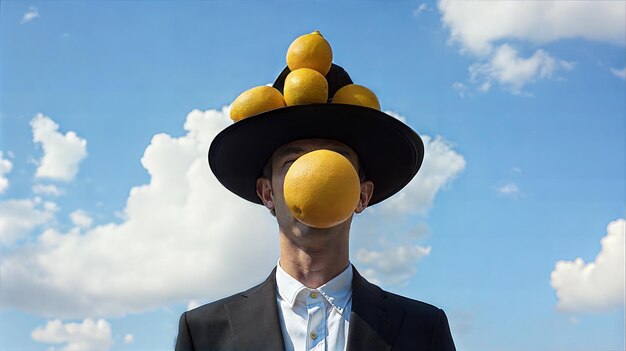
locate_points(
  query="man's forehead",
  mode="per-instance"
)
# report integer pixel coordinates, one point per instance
(307, 145)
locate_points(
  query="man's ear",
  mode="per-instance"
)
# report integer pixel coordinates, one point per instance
(367, 189)
(264, 192)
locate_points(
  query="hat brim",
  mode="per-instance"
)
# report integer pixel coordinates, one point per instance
(389, 151)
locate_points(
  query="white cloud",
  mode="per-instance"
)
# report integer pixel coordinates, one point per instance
(5, 168)
(619, 73)
(513, 72)
(19, 217)
(461, 89)
(421, 8)
(47, 205)
(396, 116)
(129, 339)
(441, 165)
(596, 286)
(182, 238)
(388, 233)
(49, 189)
(182, 233)
(81, 219)
(62, 153)
(486, 29)
(193, 304)
(477, 25)
(508, 190)
(394, 265)
(30, 15)
(418, 231)
(89, 335)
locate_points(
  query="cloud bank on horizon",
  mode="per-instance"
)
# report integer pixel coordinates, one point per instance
(183, 214)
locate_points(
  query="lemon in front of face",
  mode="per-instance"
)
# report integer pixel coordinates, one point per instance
(254, 101)
(321, 189)
(354, 94)
(310, 51)
(305, 86)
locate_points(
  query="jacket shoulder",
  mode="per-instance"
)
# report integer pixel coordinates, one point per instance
(413, 307)
(425, 320)
(208, 326)
(215, 312)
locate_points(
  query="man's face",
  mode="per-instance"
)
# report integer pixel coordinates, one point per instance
(272, 192)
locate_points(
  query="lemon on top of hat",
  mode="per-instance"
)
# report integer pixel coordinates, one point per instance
(256, 100)
(305, 86)
(322, 189)
(310, 51)
(354, 94)
(309, 58)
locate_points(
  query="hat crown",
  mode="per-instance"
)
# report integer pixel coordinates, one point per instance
(337, 78)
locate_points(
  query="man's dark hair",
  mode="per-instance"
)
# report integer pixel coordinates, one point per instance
(267, 170)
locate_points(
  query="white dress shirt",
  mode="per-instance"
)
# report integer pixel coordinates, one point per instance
(314, 319)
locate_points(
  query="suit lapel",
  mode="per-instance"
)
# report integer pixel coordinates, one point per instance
(374, 323)
(254, 319)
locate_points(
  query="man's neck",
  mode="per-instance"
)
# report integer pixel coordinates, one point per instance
(314, 264)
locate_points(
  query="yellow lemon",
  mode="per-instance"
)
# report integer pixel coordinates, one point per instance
(256, 100)
(310, 51)
(305, 86)
(354, 94)
(322, 189)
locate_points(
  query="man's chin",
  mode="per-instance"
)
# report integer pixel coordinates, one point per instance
(300, 229)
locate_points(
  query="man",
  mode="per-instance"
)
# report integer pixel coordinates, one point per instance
(315, 299)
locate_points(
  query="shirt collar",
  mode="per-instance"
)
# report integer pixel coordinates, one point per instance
(337, 291)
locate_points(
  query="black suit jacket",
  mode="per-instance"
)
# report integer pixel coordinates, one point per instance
(379, 321)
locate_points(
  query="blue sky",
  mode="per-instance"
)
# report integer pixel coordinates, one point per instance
(112, 224)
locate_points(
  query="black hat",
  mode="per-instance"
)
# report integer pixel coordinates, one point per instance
(389, 151)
